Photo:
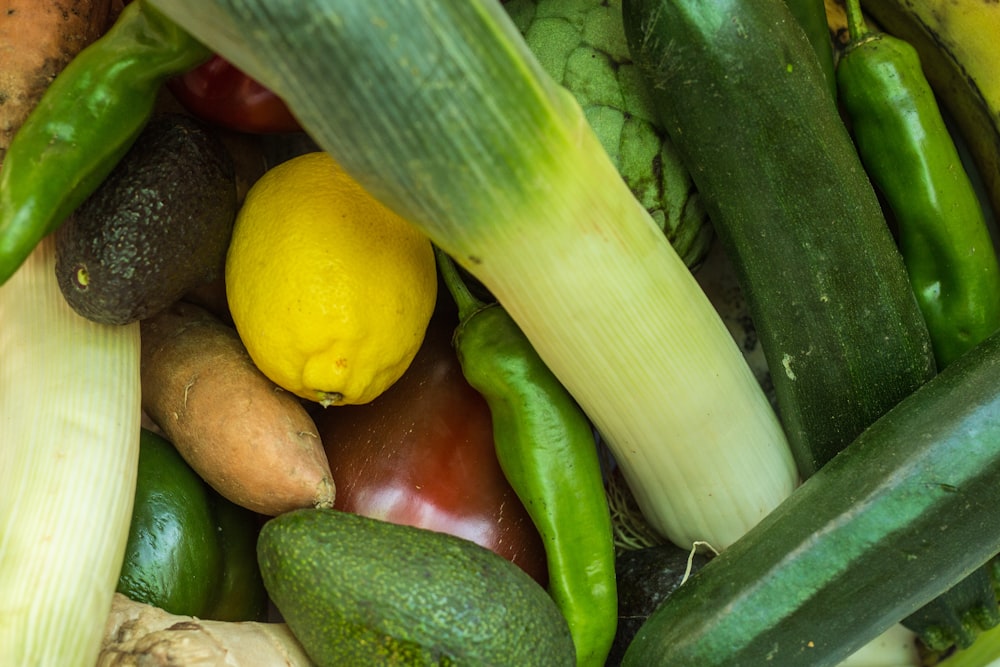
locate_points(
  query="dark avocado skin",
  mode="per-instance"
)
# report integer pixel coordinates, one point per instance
(157, 227)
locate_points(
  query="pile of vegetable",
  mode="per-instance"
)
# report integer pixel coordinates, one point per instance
(713, 376)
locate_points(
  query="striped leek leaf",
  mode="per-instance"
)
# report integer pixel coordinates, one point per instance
(69, 450)
(439, 109)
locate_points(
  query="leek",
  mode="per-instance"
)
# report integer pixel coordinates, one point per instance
(439, 108)
(896, 647)
(582, 45)
(69, 442)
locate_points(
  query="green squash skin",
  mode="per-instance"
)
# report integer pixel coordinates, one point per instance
(901, 515)
(360, 591)
(744, 99)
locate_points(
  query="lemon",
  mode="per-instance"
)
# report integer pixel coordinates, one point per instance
(330, 291)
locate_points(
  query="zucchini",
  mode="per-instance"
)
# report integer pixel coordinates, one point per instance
(744, 99)
(958, 616)
(811, 16)
(898, 517)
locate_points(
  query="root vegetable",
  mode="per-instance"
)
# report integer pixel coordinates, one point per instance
(251, 441)
(37, 39)
(140, 634)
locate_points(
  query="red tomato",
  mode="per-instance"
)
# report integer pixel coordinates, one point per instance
(218, 92)
(422, 454)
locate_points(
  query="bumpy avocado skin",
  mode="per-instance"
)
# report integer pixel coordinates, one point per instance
(360, 591)
(158, 226)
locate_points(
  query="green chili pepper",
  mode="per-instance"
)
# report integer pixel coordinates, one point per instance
(546, 448)
(911, 158)
(909, 155)
(84, 123)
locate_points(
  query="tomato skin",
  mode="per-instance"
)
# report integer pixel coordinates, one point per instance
(422, 454)
(217, 92)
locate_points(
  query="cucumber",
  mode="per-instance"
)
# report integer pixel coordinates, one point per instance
(743, 97)
(361, 591)
(958, 616)
(898, 517)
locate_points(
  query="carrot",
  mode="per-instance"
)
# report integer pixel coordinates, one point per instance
(140, 634)
(251, 441)
(38, 38)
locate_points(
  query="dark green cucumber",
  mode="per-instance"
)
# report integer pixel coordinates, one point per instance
(811, 15)
(899, 516)
(743, 97)
(957, 617)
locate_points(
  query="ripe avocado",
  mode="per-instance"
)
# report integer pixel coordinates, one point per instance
(157, 227)
(361, 591)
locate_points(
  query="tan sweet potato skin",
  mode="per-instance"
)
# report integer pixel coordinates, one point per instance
(38, 38)
(251, 441)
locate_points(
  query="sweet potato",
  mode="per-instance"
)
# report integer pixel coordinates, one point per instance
(251, 441)
(38, 38)
(139, 634)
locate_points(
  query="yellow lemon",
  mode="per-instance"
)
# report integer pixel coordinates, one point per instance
(330, 291)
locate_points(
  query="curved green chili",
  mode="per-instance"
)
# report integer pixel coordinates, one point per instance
(84, 123)
(911, 158)
(546, 448)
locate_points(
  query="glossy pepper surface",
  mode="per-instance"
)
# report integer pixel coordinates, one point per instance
(190, 551)
(218, 92)
(912, 159)
(547, 450)
(84, 123)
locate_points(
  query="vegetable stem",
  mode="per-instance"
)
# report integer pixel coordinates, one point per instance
(856, 26)
(463, 297)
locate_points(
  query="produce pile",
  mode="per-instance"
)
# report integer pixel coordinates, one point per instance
(500, 332)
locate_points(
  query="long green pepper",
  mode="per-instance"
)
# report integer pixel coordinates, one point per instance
(84, 123)
(910, 156)
(546, 448)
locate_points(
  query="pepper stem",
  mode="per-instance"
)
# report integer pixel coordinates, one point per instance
(855, 20)
(467, 303)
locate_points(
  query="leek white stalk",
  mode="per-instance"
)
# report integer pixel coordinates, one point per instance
(69, 445)
(896, 647)
(442, 112)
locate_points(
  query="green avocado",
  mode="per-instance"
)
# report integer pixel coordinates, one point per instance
(157, 227)
(361, 591)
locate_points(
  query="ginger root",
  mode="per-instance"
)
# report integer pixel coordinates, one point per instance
(140, 634)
